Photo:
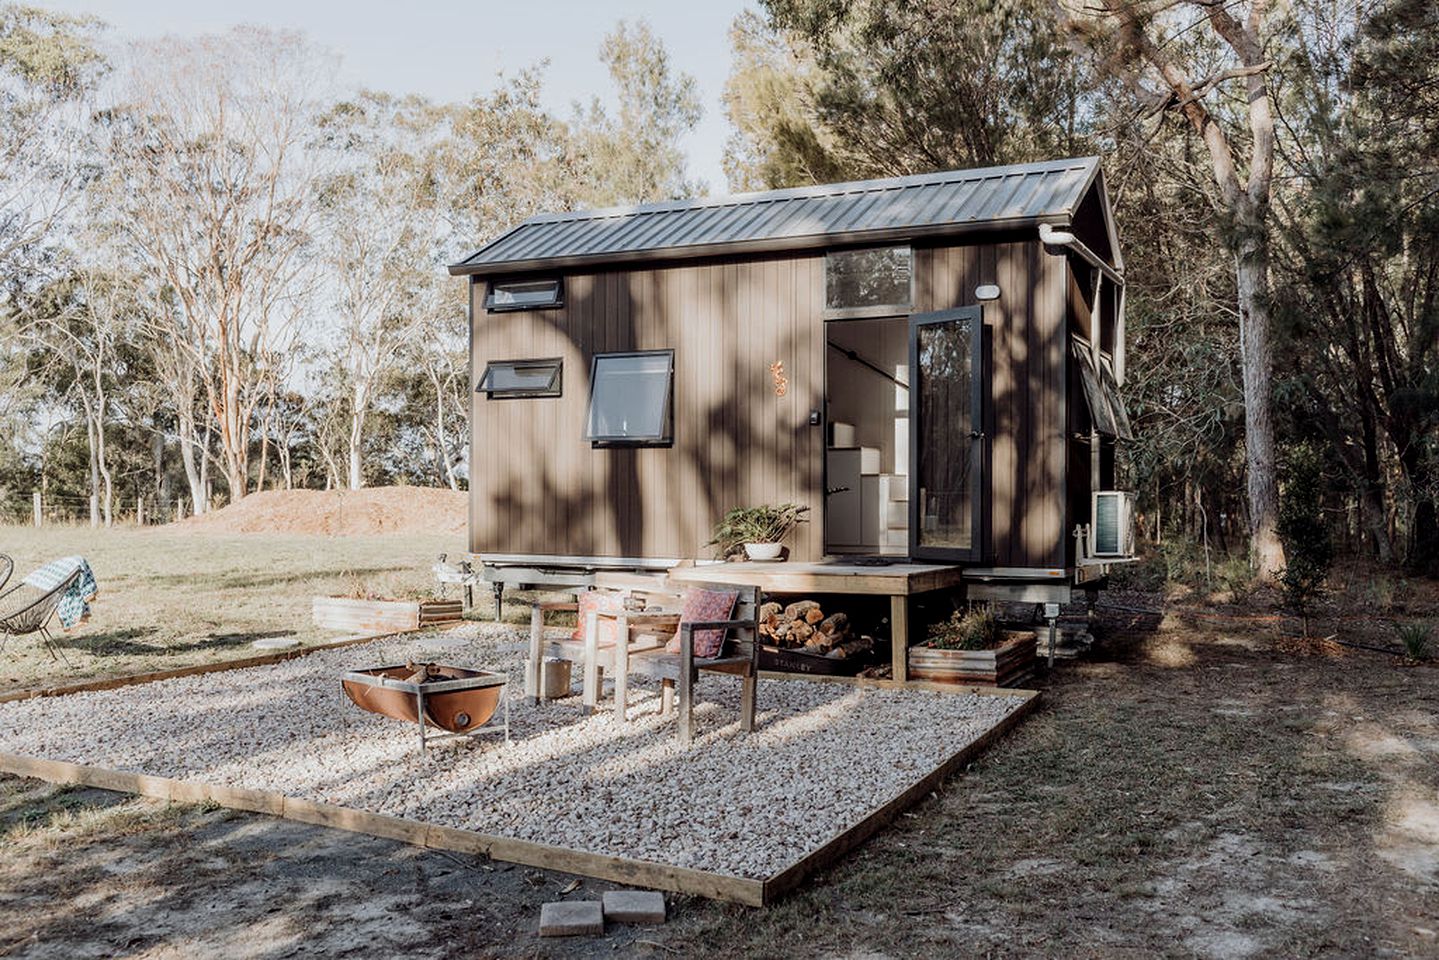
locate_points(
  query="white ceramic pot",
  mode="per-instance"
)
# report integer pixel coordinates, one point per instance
(763, 551)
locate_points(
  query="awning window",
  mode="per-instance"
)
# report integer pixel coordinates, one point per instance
(631, 398)
(506, 379)
(1110, 383)
(1101, 393)
(524, 295)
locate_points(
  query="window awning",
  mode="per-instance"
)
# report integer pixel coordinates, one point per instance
(1101, 394)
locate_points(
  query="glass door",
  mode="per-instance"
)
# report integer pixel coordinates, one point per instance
(946, 435)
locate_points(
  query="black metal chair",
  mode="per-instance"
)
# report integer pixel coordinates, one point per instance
(25, 610)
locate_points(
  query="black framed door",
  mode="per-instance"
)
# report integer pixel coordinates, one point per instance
(946, 435)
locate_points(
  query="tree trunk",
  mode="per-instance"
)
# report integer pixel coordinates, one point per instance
(1256, 352)
(1423, 547)
(94, 466)
(194, 472)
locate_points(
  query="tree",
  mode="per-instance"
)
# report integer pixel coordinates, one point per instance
(1359, 247)
(208, 182)
(836, 89)
(381, 232)
(48, 64)
(634, 155)
(1172, 66)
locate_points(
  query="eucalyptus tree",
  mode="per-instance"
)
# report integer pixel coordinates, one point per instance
(381, 234)
(834, 89)
(1186, 59)
(208, 186)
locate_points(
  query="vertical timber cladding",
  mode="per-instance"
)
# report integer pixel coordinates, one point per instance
(1028, 512)
(538, 486)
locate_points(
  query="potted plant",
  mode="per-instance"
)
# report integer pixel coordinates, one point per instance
(972, 647)
(757, 532)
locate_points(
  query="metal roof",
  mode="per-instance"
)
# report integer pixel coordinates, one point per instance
(932, 204)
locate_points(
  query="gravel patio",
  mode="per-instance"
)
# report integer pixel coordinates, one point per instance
(823, 757)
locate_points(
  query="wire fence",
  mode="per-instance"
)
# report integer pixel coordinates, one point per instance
(41, 509)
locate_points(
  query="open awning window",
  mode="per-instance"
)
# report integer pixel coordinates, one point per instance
(506, 295)
(1110, 383)
(631, 398)
(1101, 393)
(504, 379)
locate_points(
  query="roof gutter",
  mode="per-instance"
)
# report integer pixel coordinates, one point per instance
(1051, 237)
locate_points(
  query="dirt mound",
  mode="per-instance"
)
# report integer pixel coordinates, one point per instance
(339, 513)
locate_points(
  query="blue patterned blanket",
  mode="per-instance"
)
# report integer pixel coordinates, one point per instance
(75, 602)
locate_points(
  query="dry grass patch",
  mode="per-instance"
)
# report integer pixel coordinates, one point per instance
(171, 599)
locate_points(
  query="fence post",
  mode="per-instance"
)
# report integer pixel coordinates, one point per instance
(39, 513)
(140, 510)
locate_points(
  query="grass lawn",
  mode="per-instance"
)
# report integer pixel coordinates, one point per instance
(170, 598)
(1198, 787)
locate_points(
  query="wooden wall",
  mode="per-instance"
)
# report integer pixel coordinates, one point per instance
(538, 487)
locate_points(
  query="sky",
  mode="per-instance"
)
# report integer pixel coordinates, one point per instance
(448, 50)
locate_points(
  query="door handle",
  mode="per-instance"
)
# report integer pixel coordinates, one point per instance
(976, 434)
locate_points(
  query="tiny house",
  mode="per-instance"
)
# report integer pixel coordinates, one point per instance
(930, 363)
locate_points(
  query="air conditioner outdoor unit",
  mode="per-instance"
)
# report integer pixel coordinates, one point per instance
(1111, 530)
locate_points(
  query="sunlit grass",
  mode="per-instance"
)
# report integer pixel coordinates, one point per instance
(171, 599)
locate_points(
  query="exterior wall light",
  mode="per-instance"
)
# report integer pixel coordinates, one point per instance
(986, 292)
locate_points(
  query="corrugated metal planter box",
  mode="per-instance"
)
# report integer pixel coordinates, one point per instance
(357, 615)
(1008, 665)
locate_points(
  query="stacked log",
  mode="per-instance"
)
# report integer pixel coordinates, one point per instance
(803, 625)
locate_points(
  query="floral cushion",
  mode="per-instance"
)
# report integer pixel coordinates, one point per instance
(701, 605)
(599, 601)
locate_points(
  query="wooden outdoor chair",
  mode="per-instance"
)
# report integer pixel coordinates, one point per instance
(25, 610)
(7, 567)
(583, 647)
(678, 672)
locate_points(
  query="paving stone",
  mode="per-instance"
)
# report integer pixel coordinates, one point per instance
(571, 918)
(634, 906)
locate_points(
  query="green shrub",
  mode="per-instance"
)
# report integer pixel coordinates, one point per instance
(1236, 576)
(1415, 639)
(1308, 550)
(762, 524)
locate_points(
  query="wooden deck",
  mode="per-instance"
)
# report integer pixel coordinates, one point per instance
(898, 581)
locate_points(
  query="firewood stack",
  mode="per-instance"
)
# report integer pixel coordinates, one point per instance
(804, 625)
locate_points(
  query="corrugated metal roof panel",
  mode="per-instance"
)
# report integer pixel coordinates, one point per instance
(811, 216)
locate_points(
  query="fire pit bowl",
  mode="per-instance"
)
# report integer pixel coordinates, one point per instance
(458, 700)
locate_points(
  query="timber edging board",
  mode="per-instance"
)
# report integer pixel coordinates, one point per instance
(642, 873)
(134, 679)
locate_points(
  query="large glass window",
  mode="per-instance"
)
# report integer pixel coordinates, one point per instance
(521, 378)
(631, 398)
(523, 295)
(869, 282)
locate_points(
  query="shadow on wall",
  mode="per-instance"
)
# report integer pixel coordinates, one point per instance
(731, 447)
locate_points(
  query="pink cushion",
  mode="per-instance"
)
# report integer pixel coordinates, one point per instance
(599, 601)
(701, 605)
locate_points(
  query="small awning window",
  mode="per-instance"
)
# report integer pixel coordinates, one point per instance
(631, 398)
(1101, 393)
(1110, 383)
(524, 295)
(521, 378)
